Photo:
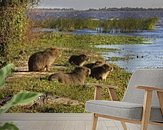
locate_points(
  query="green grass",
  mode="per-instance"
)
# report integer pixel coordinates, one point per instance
(118, 78)
(69, 44)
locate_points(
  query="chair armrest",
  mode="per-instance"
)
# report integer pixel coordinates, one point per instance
(150, 88)
(101, 85)
(111, 91)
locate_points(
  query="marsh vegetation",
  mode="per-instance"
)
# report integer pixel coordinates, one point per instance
(121, 25)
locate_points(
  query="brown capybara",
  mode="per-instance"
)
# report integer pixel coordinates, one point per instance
(76, 77)
(95, 64)
(101, 72)
(41, 61)
(78, 59)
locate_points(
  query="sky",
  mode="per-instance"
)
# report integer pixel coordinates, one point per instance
(86, 4)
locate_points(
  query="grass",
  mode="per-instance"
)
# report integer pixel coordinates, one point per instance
(69, 44)
(118, 78)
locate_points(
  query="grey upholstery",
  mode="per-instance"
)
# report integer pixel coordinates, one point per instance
(147, 77)
(132, 104)
(131, 111)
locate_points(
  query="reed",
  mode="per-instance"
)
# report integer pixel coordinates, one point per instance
(120, 25)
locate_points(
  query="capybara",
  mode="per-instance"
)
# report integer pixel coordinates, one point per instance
(41, 61)
(78, 59)
(76, 77)
(101, 72)
(95, 64)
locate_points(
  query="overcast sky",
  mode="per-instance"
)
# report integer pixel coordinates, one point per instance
(85, 4)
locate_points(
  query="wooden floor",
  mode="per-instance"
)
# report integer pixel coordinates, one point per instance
(57, 121)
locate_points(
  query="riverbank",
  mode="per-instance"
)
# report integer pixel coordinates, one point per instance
(60, 97)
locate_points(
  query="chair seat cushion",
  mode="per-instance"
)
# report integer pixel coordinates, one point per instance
(131, 111)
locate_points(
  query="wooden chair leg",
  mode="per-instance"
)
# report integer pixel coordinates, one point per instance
(146, 109)
(124, 125)
(160, 98)
(94, 122)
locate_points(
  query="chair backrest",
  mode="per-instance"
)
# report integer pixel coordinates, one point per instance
(147, 77)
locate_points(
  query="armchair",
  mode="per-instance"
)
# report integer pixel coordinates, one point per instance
(142, 102)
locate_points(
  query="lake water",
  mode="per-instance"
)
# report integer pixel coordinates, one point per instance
(140, 55)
